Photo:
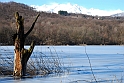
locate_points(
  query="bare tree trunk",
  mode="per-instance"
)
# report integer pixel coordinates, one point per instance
(21, 55)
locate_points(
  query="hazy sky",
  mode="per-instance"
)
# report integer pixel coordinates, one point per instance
(98, 4)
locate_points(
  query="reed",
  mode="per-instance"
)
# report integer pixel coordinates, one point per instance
(39, 63)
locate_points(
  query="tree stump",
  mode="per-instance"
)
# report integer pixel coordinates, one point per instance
(21, 55)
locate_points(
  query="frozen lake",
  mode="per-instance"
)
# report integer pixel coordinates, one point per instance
(106, 63)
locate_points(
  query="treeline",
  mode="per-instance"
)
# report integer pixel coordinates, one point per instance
(54, 29)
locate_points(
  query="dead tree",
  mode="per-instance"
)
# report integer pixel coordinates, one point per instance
(21, 55)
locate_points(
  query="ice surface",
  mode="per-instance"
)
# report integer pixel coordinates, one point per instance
(107, 63)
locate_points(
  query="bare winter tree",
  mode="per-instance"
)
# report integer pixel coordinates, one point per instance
(21, 54)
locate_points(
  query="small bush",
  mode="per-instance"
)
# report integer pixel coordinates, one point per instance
(38, 64)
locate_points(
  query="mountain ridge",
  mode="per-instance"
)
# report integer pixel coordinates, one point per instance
(57, 29)
(74, 8)
(118, 15)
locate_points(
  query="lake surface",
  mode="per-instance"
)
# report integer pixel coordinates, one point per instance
(82, 64)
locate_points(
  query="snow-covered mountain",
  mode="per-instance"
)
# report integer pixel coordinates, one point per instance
(118, 15)
(74, 8)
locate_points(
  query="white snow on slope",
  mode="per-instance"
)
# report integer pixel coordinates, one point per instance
(74, 8)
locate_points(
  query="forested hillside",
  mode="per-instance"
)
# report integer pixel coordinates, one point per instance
(54, 29)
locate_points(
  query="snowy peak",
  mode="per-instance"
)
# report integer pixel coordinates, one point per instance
(54, 7)
(74, 8)
(118, 15)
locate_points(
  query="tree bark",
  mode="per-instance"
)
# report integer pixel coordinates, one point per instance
(21, 55)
